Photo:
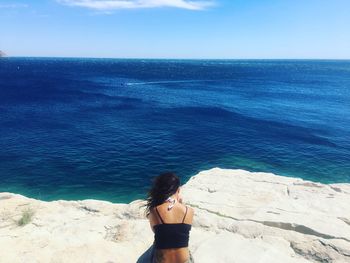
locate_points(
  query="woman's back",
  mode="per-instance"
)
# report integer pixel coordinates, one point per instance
(171, 228)
(170, 220)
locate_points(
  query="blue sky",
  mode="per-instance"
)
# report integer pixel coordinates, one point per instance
(176, 28)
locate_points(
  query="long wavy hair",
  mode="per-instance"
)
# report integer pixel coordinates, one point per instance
(164, 186)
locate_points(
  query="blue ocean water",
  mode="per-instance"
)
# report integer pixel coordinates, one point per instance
(102, 128)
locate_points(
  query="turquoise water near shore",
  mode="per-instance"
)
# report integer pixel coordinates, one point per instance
(102, 128)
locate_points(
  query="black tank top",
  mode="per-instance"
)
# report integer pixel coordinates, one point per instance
(168, 236)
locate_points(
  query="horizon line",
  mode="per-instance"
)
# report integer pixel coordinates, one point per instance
(169, 58)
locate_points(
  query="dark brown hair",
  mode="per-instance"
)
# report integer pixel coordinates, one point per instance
(164, 186)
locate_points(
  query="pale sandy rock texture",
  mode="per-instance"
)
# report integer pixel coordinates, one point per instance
(239, 217)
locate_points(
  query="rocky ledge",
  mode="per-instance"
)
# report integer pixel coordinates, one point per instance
(239, 217)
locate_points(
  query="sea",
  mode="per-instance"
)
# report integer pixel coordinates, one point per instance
(77, 128)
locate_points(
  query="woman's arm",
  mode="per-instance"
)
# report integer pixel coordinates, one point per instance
(151, 220)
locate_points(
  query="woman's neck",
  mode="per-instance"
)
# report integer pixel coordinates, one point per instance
(171, 202)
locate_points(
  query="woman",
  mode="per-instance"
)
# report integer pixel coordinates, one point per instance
(170, 220)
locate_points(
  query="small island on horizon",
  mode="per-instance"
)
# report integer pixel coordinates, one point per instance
(2, 54)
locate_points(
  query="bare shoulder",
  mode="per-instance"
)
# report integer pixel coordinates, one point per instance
(190, 211)
(189, 215)
(151, 216)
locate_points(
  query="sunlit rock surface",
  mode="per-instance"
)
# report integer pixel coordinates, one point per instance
(239, 217)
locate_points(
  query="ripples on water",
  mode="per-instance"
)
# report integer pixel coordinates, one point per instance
(101, 128)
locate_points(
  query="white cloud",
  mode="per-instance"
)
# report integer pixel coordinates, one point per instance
(104, 5)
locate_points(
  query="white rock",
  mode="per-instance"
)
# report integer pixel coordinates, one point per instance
(239, 217)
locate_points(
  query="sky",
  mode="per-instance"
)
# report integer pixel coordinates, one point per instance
(180, 29)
